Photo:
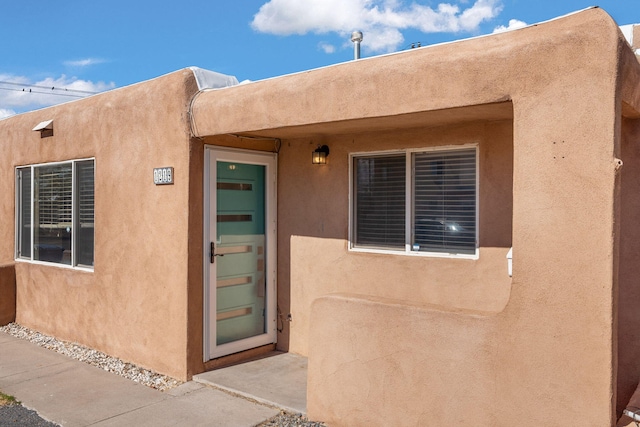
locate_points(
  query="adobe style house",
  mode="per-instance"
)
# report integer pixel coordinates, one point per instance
(180, 222)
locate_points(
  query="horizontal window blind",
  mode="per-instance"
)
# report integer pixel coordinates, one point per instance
(85, 185)
(54, 196)
(60, 229)
(444, 209)
(380, 201)
(85, 212)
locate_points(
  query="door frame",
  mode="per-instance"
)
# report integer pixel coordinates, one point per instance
(213, 154)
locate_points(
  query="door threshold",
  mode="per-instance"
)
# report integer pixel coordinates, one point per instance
(240, 357)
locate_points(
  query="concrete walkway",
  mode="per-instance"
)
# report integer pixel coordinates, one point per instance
(72, 393)
(279, 380)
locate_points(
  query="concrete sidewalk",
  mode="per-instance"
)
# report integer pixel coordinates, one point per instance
(72, 393)
(279, 380)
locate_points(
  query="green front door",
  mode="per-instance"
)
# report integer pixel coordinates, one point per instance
(240, 251)
(240, 238)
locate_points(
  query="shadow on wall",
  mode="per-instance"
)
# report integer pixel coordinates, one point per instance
(7, 294)
(629, 268)
(314, 200)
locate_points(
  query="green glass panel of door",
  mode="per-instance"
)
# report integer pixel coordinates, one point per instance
(240, 235)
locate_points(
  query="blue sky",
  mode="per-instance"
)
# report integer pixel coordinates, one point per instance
(83, 45)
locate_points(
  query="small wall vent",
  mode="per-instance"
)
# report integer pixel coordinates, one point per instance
(45, 128)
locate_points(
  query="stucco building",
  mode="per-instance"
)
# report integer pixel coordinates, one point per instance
(180, 221)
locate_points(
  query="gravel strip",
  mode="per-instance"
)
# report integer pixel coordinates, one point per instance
(93, 357)
(285, 419)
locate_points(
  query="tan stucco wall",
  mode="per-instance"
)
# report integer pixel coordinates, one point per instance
(316, 252)
(394, 363)
(134, 304)
(543, 352)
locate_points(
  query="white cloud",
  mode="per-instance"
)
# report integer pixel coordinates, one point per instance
(482, 10)
(5, 112)
(84, 62)
(382, 21)
(19, 93)
(514, 24)
(326, 47)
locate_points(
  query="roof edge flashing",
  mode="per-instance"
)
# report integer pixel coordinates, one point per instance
(627, 31)
(207, 79)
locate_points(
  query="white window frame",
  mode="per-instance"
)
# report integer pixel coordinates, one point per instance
(74, 215)
(409, 190)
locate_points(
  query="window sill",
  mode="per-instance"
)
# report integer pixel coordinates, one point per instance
(55, 264)
(473, 256)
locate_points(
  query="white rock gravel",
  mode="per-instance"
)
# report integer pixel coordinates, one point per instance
(285, 419)
(93, 357)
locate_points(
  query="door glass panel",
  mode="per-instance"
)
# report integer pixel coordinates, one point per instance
(240, 249)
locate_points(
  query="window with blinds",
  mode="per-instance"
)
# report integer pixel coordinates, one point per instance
(380, 194)
(84, 214)
(444, 201)
(430, 210)
(53, 201)
(23, 217)
(55, 206)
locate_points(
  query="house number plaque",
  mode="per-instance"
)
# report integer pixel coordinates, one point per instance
(162, 176)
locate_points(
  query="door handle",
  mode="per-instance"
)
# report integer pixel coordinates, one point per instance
(213, 254)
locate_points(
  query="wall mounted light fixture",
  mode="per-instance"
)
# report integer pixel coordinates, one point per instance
(319, 155)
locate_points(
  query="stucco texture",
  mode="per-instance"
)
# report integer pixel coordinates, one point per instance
(134, 303)
(424, 341)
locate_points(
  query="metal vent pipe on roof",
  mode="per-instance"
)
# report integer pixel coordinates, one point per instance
(356, 38)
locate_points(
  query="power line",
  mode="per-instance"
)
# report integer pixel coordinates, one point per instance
(43, 93)
(49, 87)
